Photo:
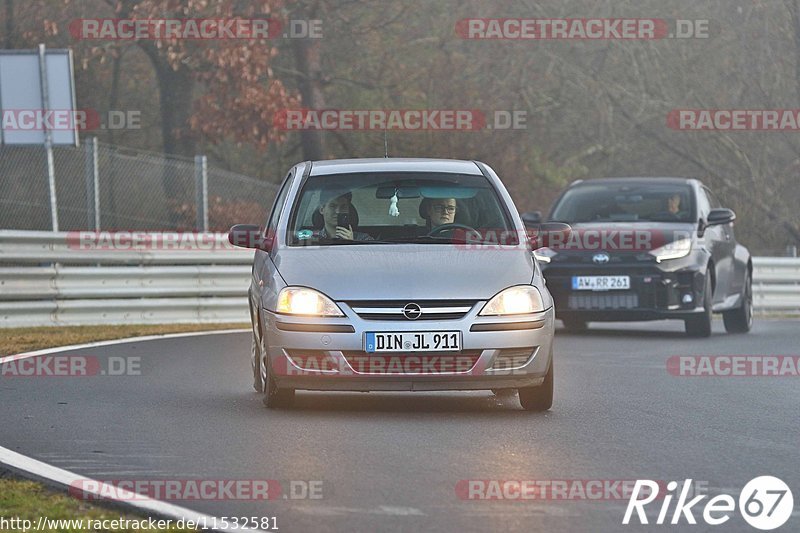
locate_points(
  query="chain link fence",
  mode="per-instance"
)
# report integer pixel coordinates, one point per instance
(135, 190)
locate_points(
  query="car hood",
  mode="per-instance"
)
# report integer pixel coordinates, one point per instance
(385, 272)
(593, 237)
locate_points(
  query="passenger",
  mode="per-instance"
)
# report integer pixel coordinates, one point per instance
(334, 203)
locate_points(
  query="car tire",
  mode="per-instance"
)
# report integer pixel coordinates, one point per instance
(538, 398)
(274, 397)
(740, 320)
(255, 363)
(575, 325)
(700, 325)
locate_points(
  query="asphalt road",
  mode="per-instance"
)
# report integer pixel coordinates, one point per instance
(392, 462)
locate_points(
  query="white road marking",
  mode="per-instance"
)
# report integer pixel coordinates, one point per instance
(127, 340)
(65, 478)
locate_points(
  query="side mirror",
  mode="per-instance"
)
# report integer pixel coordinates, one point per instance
(532, 219)
(720, 216)
(549, 234)
(249, 236)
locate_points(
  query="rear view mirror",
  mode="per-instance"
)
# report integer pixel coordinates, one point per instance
(448, 191)
(249, 236)
(386, 192)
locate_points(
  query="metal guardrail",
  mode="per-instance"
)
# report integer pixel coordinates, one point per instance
(51, 279)
(73, 278)
(136, 248)
(776, 284)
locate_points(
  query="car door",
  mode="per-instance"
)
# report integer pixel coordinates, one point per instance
(727, 267)
(717, 240)
(264, 271)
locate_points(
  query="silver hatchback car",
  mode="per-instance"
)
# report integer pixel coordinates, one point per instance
(397, 275)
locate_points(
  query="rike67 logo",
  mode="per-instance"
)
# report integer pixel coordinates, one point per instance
(765, 503)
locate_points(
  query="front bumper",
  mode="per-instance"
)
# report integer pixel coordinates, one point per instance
(328, 354)
(654, 293)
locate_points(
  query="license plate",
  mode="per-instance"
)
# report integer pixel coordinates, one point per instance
(600, 283)
(413, 341)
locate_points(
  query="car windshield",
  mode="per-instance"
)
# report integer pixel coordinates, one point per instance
(634, 202)
(393, 208)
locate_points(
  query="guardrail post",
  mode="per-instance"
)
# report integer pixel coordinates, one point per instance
(48, 139)
(92, 184)
(201, 189)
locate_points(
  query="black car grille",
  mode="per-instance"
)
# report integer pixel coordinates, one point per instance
(620, 300)
(393, 309)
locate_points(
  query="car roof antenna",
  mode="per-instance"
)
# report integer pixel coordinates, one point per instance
(385, 144)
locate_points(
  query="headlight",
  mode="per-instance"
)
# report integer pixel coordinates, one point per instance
(543, 255)
(308, 302)
(673, 250)
(519, 300)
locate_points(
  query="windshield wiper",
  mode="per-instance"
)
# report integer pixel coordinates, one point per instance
(428, 239)
(664, 218)
(423, 239)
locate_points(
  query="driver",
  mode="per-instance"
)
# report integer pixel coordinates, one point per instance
(441, 211)
(674, 204)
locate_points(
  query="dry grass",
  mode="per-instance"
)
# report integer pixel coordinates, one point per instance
(18, 340)
(26, 500)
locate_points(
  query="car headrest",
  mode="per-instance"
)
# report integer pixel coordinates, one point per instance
(319, 222)
(423, 208)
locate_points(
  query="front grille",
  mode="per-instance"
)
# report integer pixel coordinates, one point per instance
(621, 300)
(393, 309)
(648, 289)
(616, 259)
(414, 363)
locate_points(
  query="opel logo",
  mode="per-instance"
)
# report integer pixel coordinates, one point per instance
(412, 311)
(601, 258)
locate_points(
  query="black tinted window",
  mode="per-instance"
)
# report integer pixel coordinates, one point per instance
(628, 202)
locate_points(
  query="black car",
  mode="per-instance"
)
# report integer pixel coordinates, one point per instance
(646, 249)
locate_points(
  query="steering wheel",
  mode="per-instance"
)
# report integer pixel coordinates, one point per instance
(669, 216)
(451, 227)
